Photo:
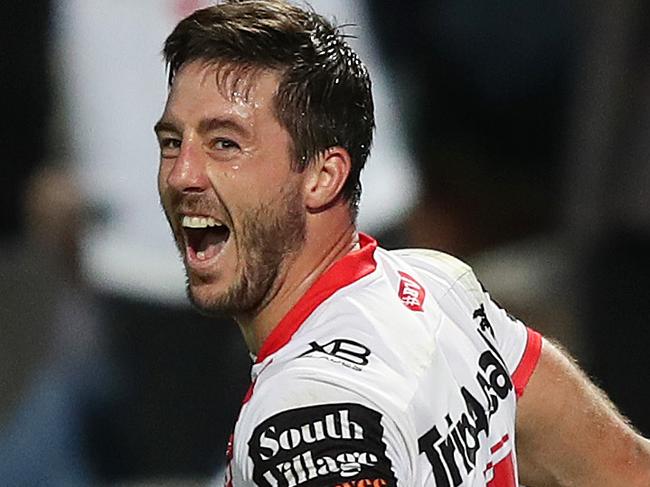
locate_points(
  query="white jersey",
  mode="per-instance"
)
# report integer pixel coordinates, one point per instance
(394, 369)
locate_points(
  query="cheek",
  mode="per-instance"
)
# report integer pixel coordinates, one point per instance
(234, 186)
(244, 187)
(258, 186)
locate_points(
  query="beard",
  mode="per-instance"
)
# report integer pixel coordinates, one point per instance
(268, 235)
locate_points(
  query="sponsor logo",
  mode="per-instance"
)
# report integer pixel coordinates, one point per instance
(332, 426)
(484, 324)
(457, 448)
(305, 446)
(411, 292)
(341, 350)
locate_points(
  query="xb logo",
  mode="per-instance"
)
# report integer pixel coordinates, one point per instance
(343, 349)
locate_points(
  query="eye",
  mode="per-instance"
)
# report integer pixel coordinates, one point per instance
(221, 144)
(169, 146)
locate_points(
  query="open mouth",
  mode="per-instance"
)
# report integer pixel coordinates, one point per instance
(205, 237)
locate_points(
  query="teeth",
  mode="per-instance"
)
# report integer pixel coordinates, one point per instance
(199, 222)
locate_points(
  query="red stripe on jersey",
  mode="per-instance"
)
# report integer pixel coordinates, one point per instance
(344, 272)
(504, 474)
(528, 361)
(249, 393)
(495, 448)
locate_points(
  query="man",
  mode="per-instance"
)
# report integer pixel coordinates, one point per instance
(372, 368)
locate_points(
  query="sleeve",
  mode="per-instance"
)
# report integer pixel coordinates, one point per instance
(518, 345)
(318, 432)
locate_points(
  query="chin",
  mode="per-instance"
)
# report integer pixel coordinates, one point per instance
(208, 301)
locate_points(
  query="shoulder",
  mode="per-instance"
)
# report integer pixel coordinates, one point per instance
(445, 277)
(470, 309)
(442, 271)
(445, 265)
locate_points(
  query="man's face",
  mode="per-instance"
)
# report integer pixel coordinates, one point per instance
(225, 180)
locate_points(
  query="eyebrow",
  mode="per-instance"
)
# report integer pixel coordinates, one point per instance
(165, 126)
(215, 123)
(205, 125)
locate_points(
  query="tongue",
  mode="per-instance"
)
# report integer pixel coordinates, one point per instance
(210, 245)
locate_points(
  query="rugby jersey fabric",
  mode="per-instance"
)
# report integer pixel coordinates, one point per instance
(394, 369)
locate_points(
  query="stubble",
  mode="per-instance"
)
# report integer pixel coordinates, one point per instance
(269, 234)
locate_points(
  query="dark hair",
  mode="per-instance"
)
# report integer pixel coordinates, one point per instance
(324, 97)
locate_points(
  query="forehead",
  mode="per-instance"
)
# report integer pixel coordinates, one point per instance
(200, 86)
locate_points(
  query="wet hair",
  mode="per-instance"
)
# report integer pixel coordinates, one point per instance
(324, 93)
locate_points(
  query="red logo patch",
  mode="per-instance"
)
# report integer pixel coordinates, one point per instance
(411, 292)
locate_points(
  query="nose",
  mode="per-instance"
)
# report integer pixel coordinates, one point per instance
(188, 173)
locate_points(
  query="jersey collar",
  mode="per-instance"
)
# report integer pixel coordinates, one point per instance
(344, 272)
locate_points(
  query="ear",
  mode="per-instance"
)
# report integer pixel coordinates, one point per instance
(326, 176)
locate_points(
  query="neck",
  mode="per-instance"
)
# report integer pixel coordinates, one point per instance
(320, 251)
